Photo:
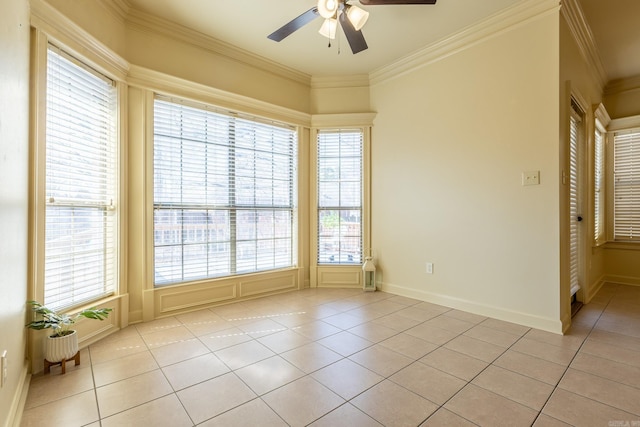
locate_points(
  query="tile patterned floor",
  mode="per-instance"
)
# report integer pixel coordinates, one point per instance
(328, 357)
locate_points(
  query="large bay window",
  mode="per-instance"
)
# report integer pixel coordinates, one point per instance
(80, 233)
(224, 191)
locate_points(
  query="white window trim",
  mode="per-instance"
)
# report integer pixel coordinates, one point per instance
(108, 65)
(616, 125)
(601, 122)
(339, 275)
(294, 208)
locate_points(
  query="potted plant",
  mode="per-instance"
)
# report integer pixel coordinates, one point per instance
(62, 345)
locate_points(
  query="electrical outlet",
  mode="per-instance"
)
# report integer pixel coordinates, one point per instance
(4, 370)
(429, 268)
(531, 178)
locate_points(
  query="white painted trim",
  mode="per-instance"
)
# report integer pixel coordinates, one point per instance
(624, 123)
(147, 23)
(594, 289)
(19, 397)
(175, 86)
(622, 280)
(170, 300)
(492, 26)
(117, 8)
(622, 246)
(61, 29)
(579, 27)
(566, 322)
(602, 115)
(532, 321)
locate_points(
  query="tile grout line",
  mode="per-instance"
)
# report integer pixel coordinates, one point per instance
(569, 364)
(474, 377)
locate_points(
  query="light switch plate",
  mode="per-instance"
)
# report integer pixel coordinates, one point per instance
(3, 368)
(531, 178)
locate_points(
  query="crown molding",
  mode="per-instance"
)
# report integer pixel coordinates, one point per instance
(466, 38)
(622, 85)
(579, 27)
(332, 82)
(118, 8)
(174, 86)
(145, 22)
(59, 28)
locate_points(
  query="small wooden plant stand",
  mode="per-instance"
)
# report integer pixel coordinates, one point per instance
(48, 365)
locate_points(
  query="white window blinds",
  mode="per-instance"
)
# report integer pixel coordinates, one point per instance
(598, 200)
(626, 205)
(575, 127)
(339, 225)
(81, 162)
(223, 193)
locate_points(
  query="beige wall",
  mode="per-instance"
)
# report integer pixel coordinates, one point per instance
(340, 95)
(449, 145)
(623, 102)
(622, 264)
(108, 28)
(197, 64)
(14, 176)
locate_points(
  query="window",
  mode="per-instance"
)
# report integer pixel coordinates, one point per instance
(80, 259)
(340, 197)
(224, 191)
(626, 186)
(598, 172)
(575, 149)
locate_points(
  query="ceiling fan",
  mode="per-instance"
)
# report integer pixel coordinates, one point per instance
(351, 18)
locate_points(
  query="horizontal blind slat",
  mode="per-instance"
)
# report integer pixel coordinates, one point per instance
(627, 185)
(223, 192)
(339, 181)
(80, 226)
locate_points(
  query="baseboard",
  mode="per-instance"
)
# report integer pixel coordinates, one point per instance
(19, 398)
(547, 324)
(622, 280)
(566, 322)
(593, 289)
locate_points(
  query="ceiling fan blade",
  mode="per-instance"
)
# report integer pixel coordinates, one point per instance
(392, 2)
(294, 25)
(355, 38)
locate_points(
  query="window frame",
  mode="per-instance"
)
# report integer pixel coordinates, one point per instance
(107, 66)
(635, 237)
(339, 207)
(233, 208)
(625, 124)
(600, 122)
(349, 275)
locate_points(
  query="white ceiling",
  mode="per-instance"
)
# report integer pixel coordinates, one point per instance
(392, 32)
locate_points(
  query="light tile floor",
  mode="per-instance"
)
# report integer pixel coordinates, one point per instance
(329, 357)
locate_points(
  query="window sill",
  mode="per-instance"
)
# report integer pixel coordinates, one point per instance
(626, 246)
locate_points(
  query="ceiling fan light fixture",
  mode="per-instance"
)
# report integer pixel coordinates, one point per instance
(329, 28)
(357, 16)
(328, 8)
